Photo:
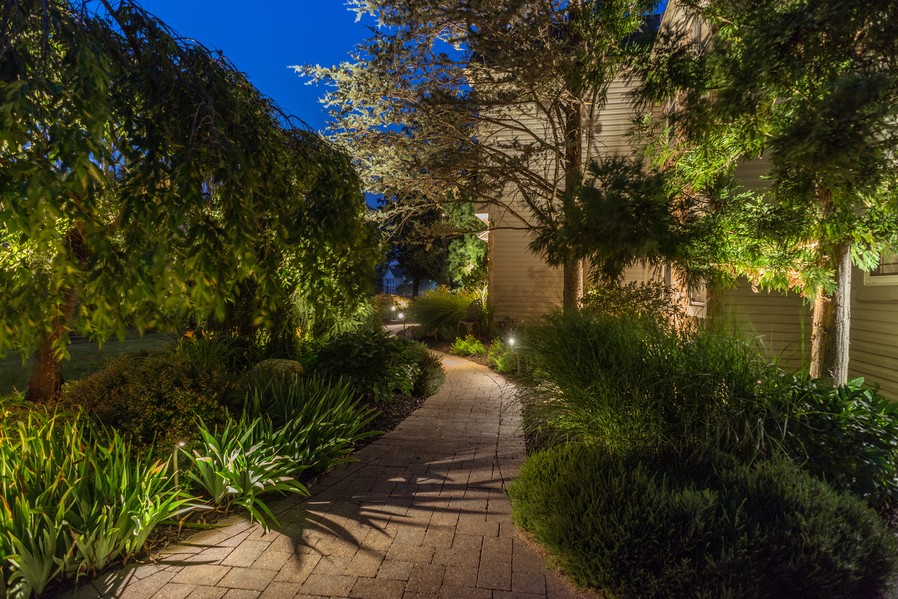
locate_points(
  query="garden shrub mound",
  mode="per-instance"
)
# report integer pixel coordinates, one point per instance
(377, 365)
(155, 398)
(658, 528)
(469, 345)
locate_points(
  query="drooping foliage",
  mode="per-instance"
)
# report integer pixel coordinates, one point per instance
(143, 178)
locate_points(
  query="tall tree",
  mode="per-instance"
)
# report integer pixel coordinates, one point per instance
(488, 99)
(812, 87)
(140, 175)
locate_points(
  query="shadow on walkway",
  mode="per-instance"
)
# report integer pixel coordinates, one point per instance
(423, 512)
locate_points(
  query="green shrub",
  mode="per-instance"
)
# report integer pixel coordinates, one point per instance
(215, 351)
(502, 356)
(848, 436)
(154, 399)
(430, 373)
(663, 528)
(468, 346)
(74, 500)
(374, 363)
(629, 383)
(438, 312)
(320, 420)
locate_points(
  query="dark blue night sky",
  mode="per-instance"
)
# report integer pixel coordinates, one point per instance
(264, 38)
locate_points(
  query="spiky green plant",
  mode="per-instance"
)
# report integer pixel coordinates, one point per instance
(74, 500)
(438, 312)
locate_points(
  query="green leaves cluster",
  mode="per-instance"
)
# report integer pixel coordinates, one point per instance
(810, 87)
(142, 177)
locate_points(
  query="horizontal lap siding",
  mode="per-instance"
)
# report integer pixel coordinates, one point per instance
(779, 323)
(522, 285)
(874, 334)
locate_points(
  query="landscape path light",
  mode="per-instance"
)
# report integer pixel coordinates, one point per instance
(517, 356)
(178, 446)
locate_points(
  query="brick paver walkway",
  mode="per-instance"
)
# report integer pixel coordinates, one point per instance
(423, 513)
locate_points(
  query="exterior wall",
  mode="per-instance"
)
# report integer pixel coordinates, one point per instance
(778, 323)
(874, 333)
(521, 284)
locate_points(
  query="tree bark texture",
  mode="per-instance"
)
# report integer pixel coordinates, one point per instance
(820, 326)
(841, 333)
(45, 382)
(573, 170)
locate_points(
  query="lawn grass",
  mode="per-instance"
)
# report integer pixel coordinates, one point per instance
(86, 357)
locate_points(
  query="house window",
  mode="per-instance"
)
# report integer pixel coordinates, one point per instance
(886, 273)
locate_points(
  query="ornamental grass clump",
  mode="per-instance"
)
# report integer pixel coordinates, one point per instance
(639, 383)
(74, 500)
(438, 312)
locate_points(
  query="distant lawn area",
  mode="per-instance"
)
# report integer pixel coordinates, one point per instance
(86, 357)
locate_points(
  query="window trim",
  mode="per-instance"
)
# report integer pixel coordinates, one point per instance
(873, 279)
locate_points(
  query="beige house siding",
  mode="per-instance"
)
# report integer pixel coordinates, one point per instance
(778, 323)
(874, 334)
(521, 284)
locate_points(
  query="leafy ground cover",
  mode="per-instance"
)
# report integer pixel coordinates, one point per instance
(675, 460)
(244, 435)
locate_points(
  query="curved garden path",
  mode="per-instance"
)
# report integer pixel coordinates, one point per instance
(422, 513)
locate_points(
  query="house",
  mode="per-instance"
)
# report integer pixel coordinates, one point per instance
(523, 286)
(395, 280)
(392, 279)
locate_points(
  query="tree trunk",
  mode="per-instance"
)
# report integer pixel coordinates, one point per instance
(45, 382)
(841, 337)
(820, 325)
(416, 286)
(831, 328)
(573, 172)
(573, 284)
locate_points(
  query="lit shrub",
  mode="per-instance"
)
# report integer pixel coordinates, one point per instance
(376, 364)
(502, 357)
(75, 500)
(663, 528)
(291, 426)
(630, 383)
(469, 345)
(155, 398)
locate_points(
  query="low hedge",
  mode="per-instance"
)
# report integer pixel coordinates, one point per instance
(643, 528)
(377, 365)
(155, 398)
